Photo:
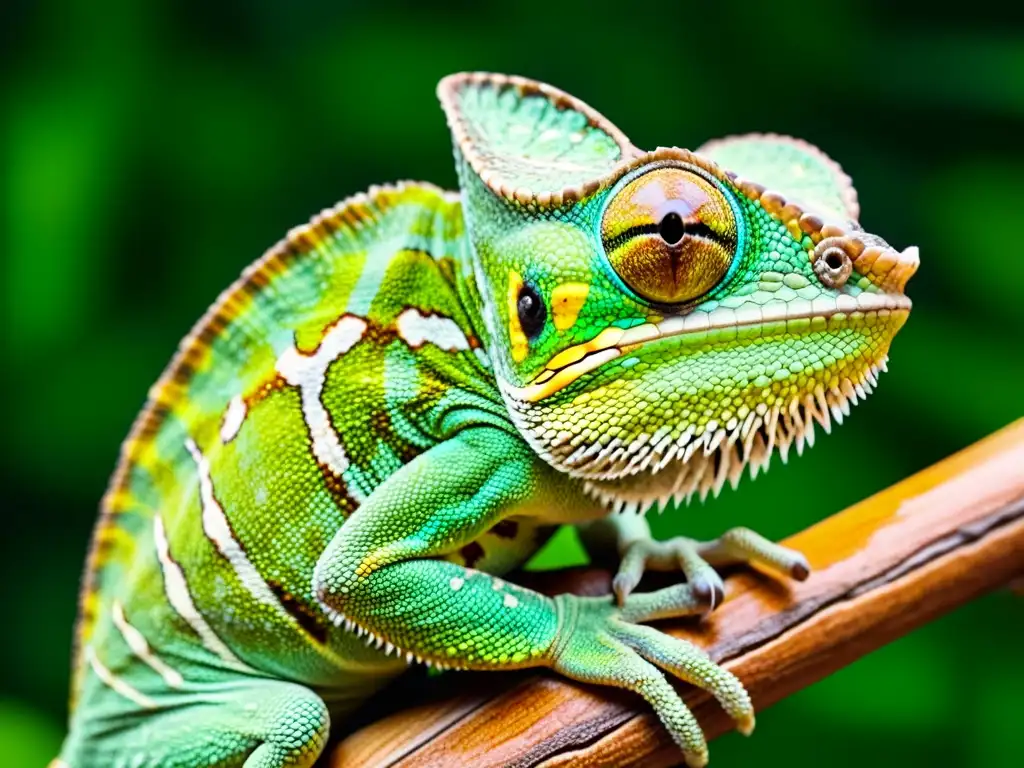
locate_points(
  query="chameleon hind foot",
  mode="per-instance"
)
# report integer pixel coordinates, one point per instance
(703, 590)
(596, 643)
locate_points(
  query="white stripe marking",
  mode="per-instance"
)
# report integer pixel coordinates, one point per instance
(218, 530)
(233, 418)
(443, 332)
(308, 373)
(117, 684)
(181, 601)
(137, 642)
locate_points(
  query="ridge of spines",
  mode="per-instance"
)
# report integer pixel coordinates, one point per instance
(720, 454)
(378, 642)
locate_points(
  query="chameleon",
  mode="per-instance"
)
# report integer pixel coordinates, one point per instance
(396, 405)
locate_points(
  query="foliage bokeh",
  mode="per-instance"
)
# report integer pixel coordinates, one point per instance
(151, 150)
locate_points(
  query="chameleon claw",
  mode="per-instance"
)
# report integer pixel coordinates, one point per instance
(742, 545)
(623, 585)
(745, 725)
(800, 569)
(709, 589)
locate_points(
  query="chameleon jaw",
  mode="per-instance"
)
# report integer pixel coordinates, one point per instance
(574, 362)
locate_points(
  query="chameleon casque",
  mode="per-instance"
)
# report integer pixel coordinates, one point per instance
(394, 407)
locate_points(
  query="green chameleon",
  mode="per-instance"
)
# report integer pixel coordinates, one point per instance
(398, 403)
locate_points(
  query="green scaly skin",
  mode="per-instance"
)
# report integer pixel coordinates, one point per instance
(373, 425)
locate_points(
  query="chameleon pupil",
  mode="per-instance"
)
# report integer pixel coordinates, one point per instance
(532, 312)
(671, 228)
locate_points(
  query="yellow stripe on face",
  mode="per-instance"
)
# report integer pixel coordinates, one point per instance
(516, 337)
(544, 386)
(609, 337)
(566, 302)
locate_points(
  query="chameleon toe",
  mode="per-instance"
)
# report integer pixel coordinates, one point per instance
(710, 591)
(801, 569)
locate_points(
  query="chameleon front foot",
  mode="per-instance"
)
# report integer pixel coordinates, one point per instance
(703, 589)
(595, 643)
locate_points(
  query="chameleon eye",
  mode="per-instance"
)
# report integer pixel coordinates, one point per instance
(670, 234)
(531, 310)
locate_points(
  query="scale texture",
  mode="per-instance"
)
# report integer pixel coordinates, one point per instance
(398, 403)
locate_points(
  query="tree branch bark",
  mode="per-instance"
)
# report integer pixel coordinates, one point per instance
(882, 567)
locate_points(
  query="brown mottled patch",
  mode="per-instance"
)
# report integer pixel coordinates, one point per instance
(306, 618)
(254, 283)
(338, 490)
(471, 553)
(377, 334)
(184, 372)
(104, 545)
(272, 383)
(506, 529)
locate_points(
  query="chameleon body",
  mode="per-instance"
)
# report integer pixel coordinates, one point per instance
(392, 408)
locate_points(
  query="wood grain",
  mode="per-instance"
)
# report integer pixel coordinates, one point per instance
(882, 567)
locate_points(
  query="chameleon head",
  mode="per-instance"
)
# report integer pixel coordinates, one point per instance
(660, 321)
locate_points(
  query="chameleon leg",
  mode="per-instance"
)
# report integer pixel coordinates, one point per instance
(248, 723)
(703, 589)
(383, 575)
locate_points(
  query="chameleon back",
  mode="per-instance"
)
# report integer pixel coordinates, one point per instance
(234, 478)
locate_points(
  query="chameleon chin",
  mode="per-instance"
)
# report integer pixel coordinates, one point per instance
(386, 412)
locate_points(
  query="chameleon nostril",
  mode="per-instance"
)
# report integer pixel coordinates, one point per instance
(832, 264)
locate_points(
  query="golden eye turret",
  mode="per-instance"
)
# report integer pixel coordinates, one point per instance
(670, 235)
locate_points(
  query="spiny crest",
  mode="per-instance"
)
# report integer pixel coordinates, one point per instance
(376, 641)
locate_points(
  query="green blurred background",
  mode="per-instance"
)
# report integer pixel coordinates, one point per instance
(151, 150)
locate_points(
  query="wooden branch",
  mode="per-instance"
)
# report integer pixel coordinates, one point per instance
(880, 568)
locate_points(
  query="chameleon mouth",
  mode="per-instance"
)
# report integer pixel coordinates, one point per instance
(772, 318)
